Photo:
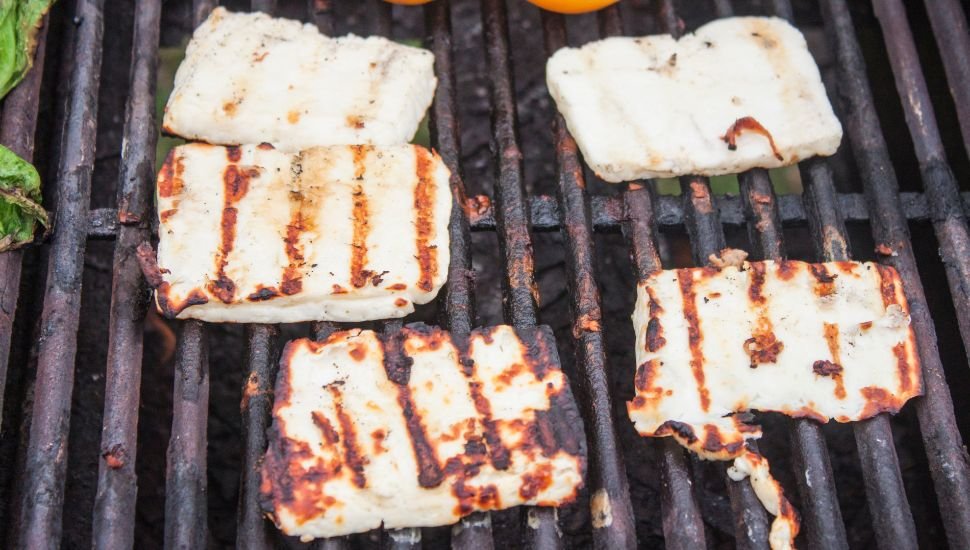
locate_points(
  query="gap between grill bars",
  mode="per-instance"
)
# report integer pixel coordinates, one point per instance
(639, 213)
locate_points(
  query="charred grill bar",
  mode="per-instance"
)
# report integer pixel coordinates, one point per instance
(638, 213)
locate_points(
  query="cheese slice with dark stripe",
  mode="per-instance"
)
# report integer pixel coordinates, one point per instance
(821, 341)
(415, 429)
(343, 233)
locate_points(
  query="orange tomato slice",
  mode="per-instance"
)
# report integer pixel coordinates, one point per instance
(408, 2)
(573, 6)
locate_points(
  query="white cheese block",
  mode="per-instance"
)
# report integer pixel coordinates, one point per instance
(251, 78)
(655, 106)
(345, 233)
(821, 341)
(406, 430)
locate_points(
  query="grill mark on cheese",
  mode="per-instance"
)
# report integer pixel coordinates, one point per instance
(887, 284)
(397, 365)
(378, 436)
(786, 270)
(823, 367)
(292, 279)
(655, 332)
(170, 180)
(236, 184)
(825, 281)
(353, 457)
(424, 193)
(694, 335)
(749, 124)
(902, 365)
(263, 293)
(497, 452)
(358, 258)
(330, 435)
(831, 332)
(233, 153)
(757, 271)
(164, 215)
(535, 482)
(763, 346)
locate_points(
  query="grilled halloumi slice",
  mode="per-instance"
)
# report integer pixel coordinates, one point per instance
(738, 93)
(821, 341)
(410, 429)
(343, 233)
(251, 78)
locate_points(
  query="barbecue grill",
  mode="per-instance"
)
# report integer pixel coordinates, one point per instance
(852, 198)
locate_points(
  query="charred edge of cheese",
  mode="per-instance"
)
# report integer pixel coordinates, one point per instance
(291, 488)
(364, 290)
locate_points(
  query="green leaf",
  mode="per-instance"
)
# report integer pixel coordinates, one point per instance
(20, 196)
(19, 22)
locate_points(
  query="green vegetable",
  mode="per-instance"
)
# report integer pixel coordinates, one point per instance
(19, 23)
(20, 197)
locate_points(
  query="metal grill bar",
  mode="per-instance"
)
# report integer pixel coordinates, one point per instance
(683, 526)
(185, 479)
(515, 244)
(474, 531)
(751, 524)
(114, 518)
(262, 342)
(945, 453)
(886, 495)
(606, 212)
(949, 24)
(607, 479)
(940, 184)
(46, 462)
(17, 129)
(253, 530)
(820, 507)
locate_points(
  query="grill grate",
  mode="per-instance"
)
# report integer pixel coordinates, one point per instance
(35, 519)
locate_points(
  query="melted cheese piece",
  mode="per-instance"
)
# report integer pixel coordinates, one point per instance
(405, 430)
(659, 107)
(252, 235)
(250, 78)
(820, 341)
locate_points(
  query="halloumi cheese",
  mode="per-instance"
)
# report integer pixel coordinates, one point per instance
(414, 429)
(343, 233)
(738, 93)
(251, 78)
(822, 341)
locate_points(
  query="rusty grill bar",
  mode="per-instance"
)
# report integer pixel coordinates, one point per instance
(638, 213)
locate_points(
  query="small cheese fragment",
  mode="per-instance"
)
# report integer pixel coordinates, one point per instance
(251, 78)
(345, 233)
(821, 341)
(738, 93)
(409, 430)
